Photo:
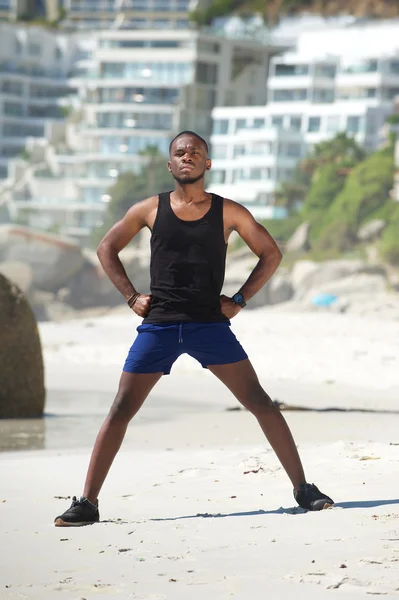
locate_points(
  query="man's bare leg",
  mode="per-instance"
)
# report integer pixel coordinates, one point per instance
(133, 390)
(243, 382)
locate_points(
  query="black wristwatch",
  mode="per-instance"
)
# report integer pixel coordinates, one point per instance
(238, 298)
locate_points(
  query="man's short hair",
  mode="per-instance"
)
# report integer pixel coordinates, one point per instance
(193, 134)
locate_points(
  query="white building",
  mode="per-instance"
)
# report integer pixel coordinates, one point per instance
(342, 79)
(35, 85)
(130, 14)
(251, 156)
(142, 88)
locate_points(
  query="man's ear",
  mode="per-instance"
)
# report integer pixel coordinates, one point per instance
(208, 164)
(169, 167)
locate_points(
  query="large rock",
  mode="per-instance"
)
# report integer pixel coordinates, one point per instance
(19, 273)
(91, 287)
(22, 393)
(53, 259)
(308, 275)
(299, 241)
(371, 230)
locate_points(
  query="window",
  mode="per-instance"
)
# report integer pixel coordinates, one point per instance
(11, 87)
(261, 148)
(254, 174)
(390, 93)
(218, 176)
(259, 123)
(12, 109)
(323, 95)
(18, 47)
(366, 66)
(325, 71)
(120, 120)
(58, 53)
(289, 95)
(241, 124)
(296, 123)
(277, 121)
(207, 73)
(394, 67)
(219, 151)
(291, 70)
(293, 150)
(239, 150)
(353, 125)
(333, 124)
(314, 124)
(220, 126)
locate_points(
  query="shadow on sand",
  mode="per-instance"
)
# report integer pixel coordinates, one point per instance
(296, 510)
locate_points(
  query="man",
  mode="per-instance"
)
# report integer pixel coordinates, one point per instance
(185, 313)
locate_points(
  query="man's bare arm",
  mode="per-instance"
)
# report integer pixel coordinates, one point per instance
(118, 238)
(259, 240)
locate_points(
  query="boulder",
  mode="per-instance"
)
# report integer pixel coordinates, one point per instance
(91, 287)
(371, 230)
(299, 241)
(308, 275)
(19, 273)
(52, 258)
(278, 290)
(22, 393)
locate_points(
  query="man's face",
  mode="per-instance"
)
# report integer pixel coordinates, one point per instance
(188, 160)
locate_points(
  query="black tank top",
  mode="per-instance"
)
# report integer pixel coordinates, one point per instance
(188, 261)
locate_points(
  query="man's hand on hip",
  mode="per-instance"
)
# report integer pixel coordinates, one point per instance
(229, 308)
(142, 305)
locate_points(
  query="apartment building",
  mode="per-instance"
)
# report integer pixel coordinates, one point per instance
(343, 79)
(130, 14)
(139, 90)
(35, 85)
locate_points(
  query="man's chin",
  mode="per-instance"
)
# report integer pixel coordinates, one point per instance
(187, 179)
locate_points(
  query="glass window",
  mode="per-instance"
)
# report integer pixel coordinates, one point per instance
(207, 73)
(314, 124)
(323, 95)
(259, 123)
(241, 124)
(277, 121)
(12, 109)
(34, 49)
(289, 95)
(325, 71)
(218, 176)
(293, 150)
(296, 123)
(219, 151)
(353, 124)
(394, 66)
(239, 150)
(291, 70)
(220, 126)
(261, 148)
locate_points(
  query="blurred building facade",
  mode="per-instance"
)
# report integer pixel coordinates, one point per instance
(137, 89)
(342, 79)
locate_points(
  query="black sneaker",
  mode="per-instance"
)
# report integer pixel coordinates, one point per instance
(311, 498)
(81, 512)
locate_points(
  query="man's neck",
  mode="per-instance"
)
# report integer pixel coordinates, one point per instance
(190, 193)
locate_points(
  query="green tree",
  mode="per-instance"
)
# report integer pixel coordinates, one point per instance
(292, 193)
(343, 151)
(390, 238)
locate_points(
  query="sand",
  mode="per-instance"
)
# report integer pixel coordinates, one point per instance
(196, 505)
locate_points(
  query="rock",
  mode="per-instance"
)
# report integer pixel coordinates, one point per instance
(308, 275)
(22, 393)
(371, 230)
(19, 273)
(91, 287)
(52, 258)
(278, 290)
(299, 241)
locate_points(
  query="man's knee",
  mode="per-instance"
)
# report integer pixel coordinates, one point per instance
(124, 406)
(259, 401)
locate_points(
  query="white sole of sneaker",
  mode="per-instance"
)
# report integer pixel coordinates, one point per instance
(61, 523)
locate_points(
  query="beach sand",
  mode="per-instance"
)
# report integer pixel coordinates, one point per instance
(196, 505)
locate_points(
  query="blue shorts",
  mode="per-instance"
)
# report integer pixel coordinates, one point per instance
(157, 346)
